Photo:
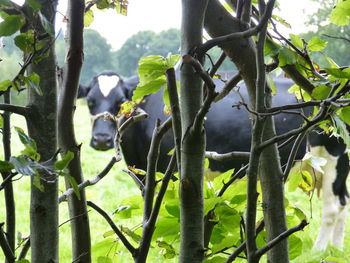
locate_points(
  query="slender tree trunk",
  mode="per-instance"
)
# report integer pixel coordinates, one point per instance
(67, 142)
(8, 191)
(243, 53)
(193, 138)
(43, 129)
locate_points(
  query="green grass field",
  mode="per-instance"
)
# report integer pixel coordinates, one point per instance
(110, 191)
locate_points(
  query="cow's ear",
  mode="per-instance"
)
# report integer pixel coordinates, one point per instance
(83, 91)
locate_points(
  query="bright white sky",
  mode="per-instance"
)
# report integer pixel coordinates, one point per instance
(158, 15)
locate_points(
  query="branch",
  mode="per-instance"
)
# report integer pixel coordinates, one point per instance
(122, 238)
(7, 180)
(121, 128)
(5, 246)
(90, 182)
(227, 156)
(20, 110)
(152, 159)
(211, 94)
(217, 64)
(245, 34)
(280, 237)
(175, 113)
(228, 87)
(24, 250)
(243, 246)
(293, 153)
(149, 226)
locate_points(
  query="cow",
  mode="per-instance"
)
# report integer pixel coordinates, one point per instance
(227, 129)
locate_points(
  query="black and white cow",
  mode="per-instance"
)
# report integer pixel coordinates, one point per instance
(227, 129)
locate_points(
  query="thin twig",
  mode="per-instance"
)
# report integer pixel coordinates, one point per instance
(239, 35)
(5, 246)
(89, 182)
(227, 156)
(20, 110)
(280, 237)
(121, 236)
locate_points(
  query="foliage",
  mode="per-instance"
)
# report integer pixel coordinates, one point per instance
(337, 35)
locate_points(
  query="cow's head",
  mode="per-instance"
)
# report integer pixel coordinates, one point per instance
(105, 93)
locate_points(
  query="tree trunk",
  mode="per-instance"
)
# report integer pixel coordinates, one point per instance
(42, 128)
(77, 208)
(8, 190)
(243, 53)
(193, 139)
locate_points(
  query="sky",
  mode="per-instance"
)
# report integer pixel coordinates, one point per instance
(158, 15)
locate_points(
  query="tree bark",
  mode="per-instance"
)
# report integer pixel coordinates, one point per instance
(219, 22)
(77, 208)
(42, 127)
(193, 139)
(8, 190)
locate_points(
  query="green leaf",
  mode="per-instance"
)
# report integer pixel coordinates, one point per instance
(321, 92)
(11, 25)
(33, 81)
(173, 208)
(24, 138)
(344, 114)
(169, 251)
(6, 166)
(152, 74)
(1, 122)
(104, 259)
(316, 44)
(339, 73)
(88, 18)
(123, 212)
(47, 25)
(30, 145)
(210, 204)
(152, 86)
(217, 259)
(295, 246)
(108, 233)
(297, 41)
(23, 261)
(286, 57)
(25, 41)
(131, 233)
(6, 3)
(121, 7)
(35, 5)
(341, 13)
(166, 227)
(37, 182)
(103, 247)
(75, 186)
(228, 241)
(341, 129)
(5, 84)
(62, 164)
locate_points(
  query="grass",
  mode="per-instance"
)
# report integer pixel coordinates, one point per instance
(117, 185)
(108, 193)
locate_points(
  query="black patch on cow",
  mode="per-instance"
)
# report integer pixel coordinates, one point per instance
(334, 146)
(339, 185)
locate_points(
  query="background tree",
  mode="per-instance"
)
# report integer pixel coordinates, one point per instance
(338, 37)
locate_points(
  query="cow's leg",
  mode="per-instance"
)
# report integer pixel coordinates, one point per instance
(339, 228)
(330, 210)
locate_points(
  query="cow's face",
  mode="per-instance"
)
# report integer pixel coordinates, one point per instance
(104, 94)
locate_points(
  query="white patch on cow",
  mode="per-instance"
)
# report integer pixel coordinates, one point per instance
(333, 213)
(107, 83)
